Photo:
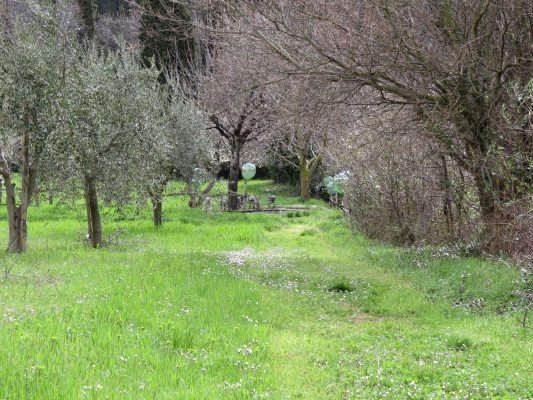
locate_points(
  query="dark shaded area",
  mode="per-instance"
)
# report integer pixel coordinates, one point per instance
(166, 37)
(112, 7)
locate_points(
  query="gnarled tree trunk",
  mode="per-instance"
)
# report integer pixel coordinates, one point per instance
(155, 191)
(307, 169)
(305, 183)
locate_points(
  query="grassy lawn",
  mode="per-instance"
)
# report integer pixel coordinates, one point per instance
(251, 306)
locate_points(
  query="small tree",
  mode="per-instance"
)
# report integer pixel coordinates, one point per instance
(182, 147)
(309, 159)
(243, 128)
(301, 147)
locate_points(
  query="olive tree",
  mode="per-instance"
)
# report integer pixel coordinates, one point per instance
(183, 146)
(112, 116)
(32, 66)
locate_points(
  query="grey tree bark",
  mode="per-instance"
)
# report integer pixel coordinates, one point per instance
(94, 221)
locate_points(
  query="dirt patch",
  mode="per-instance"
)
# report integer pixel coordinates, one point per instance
(296, 229)
(363, 317)
(46, 281)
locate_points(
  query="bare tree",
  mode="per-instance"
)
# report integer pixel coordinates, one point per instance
(238, 107)
(305, 125)
(450, 62)
(400, 186)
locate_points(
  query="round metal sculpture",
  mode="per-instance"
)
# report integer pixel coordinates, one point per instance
(332, 184)
(329, 184)
(248, 171)
(340, 180)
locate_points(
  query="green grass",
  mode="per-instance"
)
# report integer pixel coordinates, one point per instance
(251, 306)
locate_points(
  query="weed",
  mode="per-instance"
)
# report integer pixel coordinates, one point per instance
(460, 343)
(340, 285)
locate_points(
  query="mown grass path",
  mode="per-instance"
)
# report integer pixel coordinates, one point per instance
(250, 307)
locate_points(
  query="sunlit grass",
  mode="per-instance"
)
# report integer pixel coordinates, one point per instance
(248, 306)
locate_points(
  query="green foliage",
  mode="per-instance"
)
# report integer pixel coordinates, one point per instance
(293, 214)
(30, 81)
(112, 120)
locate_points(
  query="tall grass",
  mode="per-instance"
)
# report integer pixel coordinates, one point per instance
(241, 306)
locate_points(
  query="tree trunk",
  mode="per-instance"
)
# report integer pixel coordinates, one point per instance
(307, 169)
(17, 220)
(17, 227)
(156, 191)
(157, 206)
(37, 195)
(94, 222)
(233, 179)
(305, 183)
(18, 215)
(487, 200)
(89, 218)
(193, 199)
